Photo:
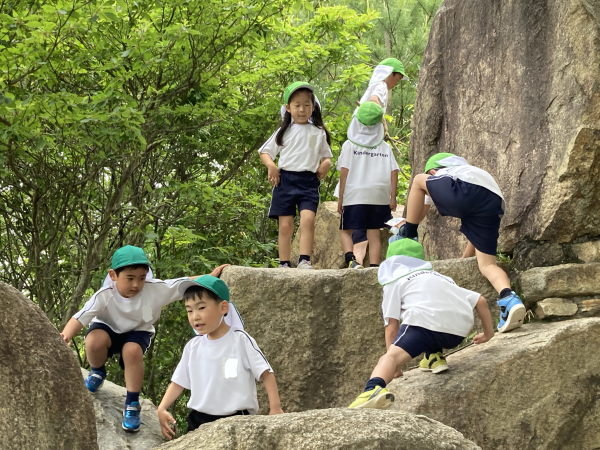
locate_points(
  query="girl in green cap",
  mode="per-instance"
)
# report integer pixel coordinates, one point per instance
(368, 182)
(303, 145)
(469, 193)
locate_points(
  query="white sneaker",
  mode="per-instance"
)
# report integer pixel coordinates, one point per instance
(304, 264)
(284, 266)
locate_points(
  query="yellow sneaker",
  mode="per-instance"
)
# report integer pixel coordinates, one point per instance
(436, 363)
(376, 398)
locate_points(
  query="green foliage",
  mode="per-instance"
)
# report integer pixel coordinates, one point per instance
(138, 123)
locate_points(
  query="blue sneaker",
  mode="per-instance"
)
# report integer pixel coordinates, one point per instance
(512, 313)
(94, 381)
(131, 417)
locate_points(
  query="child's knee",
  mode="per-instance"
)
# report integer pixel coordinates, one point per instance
(420, 180)
(307, 220)
(132, 352)
(286, 227)
(97, 340)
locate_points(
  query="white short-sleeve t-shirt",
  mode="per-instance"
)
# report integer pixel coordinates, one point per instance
(302, 149)
(380, 90)
(123, 314)
(369, 174)
(222, 373)
(430, 300)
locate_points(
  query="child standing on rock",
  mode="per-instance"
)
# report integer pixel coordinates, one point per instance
(220, 366)
(435, 314)
(368, 182)
(122, 315)
(303, 145)
(471, 194)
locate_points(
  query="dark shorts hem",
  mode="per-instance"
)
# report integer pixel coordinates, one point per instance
(296, 191)
(479, 209)
(197, 418)
(365, 217)
(416, 340)
(359, 236)
(118, 340)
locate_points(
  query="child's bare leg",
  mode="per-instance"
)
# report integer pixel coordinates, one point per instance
(469, 251)
(346, 238)
(286, 229)
(360, 251)
(307, 228)
(374, 240)
(97, 343)
(416, 198)
(390, 363)
(133, 360)
(489, 269)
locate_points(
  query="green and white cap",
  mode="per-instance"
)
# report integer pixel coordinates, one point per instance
(385, 68)
(293, 88)
(366, 128)
(404, 257)
(129, 256)
(213, 284)
(444, 160)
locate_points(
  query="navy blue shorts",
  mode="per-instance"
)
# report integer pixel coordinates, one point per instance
(416, 340)
(365, 217)
(478, 209)
(295, 190)
(118, 340)
(359, 236)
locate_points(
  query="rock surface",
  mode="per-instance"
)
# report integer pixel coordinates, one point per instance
(108, 407)
(330, 429)
(555, 307)
(322, 330)
(43, 403)
(327, 248)
(533, 388)
(513, 88)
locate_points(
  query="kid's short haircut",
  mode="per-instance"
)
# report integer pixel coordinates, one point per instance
(200, 291)
(132, 267)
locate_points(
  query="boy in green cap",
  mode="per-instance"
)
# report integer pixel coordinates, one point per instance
(386, 76)
(368, 182)
(219, 366)
(435, 314)
(471, 194)
(122, 314)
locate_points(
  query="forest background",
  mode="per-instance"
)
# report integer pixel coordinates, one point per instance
(138, 123)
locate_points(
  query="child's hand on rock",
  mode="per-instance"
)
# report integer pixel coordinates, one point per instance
(166, 419)
(275, 410)
(67, 339)
(217, 271)
(481, 338)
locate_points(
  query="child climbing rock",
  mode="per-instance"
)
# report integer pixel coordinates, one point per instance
(122, 314)
(303, 145)
(435, 314)
(220, 366)
(471, 194)
(368, 182)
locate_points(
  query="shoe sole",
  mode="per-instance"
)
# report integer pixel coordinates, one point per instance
(382, 401)
(436, 370)
(97, 389)
(129, 430)
(515, 318)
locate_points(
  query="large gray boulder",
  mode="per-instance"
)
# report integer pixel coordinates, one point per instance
(513, 87)
(330, 429)
(108, 407)
(43, 401)
(322, 330)
(534, 388)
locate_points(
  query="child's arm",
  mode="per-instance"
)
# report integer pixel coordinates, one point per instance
(268, 378)
(164, 417)
(72, 327)
(391, 331)
(323, 168)
(394, 190)
(273, 174)
(483, 311)
(343, 176)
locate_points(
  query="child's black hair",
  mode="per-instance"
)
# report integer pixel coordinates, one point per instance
(200, 292)
(315, 118)
(435, 168)
(132, 267)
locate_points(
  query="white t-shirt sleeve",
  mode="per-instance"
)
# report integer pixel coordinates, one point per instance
(271, 146)
(380, 90)
(471, 296)
(181, 376)
(325, 150)
(344, 158)
(92, 307)
(254, 359)
(169, 290)
(428, 200)
(392, 303)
